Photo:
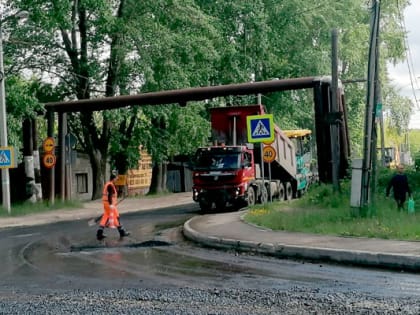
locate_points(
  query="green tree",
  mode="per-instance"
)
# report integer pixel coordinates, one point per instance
(399, 110)
(267, 39)
(94, 48)
(23, 103)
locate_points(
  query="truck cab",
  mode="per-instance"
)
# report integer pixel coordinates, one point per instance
(221, 175)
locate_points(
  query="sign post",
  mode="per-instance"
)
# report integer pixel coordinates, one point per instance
(7, 160)
(49, 159)
(260, 128)
(269, 155)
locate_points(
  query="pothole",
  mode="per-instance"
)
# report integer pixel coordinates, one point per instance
(118, 244)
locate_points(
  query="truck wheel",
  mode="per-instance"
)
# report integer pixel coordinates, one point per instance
(239, 204)
(281, 192)
(289, 191)
(205, 206)
(263, 197)
(220, 205)
(251, 196)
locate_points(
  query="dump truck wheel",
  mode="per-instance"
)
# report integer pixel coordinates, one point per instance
(289, 191)
(281, 193)
(220, 204)
(251, 196)
(205, 206)
(263, 197)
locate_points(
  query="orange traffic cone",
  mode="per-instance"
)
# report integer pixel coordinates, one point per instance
(112, 220)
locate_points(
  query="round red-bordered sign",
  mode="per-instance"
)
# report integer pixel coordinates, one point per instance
(48, 144)
(49, 160)
(269, 154)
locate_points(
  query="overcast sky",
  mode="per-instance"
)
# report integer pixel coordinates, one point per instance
(400, 74)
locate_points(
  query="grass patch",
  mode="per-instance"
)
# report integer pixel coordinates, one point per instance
(322, 211)
(25, 208)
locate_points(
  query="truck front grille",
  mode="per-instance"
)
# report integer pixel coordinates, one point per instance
(216, 178)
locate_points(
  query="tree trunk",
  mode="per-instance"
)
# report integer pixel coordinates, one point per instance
(98, 173)
(159, 176)
(164, 177)
(28, 160)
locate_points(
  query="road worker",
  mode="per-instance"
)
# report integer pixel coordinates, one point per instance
(111, 217)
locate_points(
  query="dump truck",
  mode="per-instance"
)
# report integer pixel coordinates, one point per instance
(232, 171)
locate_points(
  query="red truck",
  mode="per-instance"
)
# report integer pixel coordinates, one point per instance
(230, 171)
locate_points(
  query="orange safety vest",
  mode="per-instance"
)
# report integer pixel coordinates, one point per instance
(110, 218)
(105, 193)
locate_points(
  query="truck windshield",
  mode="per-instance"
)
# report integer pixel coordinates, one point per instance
(211, 161)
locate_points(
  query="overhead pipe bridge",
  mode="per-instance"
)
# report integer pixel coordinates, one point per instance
(324, 116)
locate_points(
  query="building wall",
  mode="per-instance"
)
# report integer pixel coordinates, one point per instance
(179, 177)
(82, 178)
(135, 182)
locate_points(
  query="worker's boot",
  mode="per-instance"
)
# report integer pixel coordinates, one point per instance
(100, 234)
(123, 232)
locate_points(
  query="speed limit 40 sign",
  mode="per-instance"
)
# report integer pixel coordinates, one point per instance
(269, 154)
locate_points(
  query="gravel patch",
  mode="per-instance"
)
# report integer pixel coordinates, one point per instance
(203, 301)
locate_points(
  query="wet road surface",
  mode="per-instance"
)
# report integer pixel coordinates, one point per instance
(65, 256)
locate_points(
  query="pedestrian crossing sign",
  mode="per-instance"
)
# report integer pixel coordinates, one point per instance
(260, 128)
(7, 157)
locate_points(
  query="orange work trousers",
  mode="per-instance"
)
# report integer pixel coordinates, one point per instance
(111, 217)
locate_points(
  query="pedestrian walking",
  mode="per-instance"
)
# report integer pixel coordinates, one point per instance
(111, 216)
(399, 185)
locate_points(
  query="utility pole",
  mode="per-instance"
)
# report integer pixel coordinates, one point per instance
(376, 115)
(334, 127)
(5, 179)
(370, 107)
(51, 171)
(62, 121)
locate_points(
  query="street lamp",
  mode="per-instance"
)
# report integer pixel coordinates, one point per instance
(5, 179)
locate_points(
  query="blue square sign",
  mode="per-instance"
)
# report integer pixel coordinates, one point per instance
(7, 157)
(260, 128)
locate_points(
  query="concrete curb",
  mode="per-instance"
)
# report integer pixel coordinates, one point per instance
(280, 250)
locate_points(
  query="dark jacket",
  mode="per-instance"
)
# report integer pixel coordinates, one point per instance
(399, 184)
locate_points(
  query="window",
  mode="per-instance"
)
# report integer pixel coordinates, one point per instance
(247, 159)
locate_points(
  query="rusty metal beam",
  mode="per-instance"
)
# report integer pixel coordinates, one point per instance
(182, 96)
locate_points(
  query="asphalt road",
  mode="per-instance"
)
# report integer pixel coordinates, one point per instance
(66, 255)
(49, 262)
